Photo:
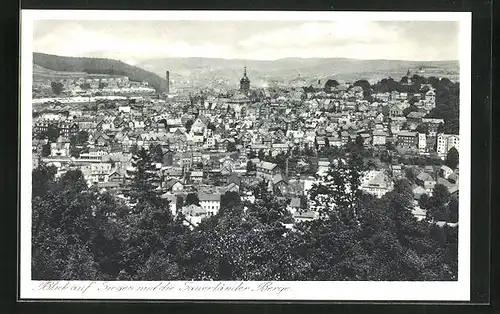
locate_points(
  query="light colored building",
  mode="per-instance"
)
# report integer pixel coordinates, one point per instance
(267, 170)
(210, 203)
(376, 183)
(379, 137)
(124, 109)
(422, 142)
(59, 149)
(445, 142)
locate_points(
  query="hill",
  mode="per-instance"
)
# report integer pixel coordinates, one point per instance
(287, 69)
(52, 65)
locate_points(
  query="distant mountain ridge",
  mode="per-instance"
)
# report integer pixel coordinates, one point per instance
(338, 68)
(97, 66)
(203, 71)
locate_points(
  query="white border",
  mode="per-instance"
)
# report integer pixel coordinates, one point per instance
(379, 291)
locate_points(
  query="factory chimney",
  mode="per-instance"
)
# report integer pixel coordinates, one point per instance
(167, 78)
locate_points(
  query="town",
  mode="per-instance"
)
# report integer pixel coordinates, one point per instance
(208, 143)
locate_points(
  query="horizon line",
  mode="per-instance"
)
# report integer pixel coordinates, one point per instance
(242, 59)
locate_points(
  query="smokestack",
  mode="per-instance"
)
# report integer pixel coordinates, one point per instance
(167, 78)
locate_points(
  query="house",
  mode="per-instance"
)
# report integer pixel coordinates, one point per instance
(295, 205)
(418, 191)
(196, 176)
(445, 142)
(172, 200)
(210, 202)
(376, 183)
(379, 118)
(367, 139)
(334, 140)
(305, 216)
(194, 214)
(232, 187)
(280, 184)
(426, 181)
(320, 142)
(198, 126)
(433, 125)
(397, 171)
(267, 170)
(395, 111)
(415, 117)
(422, 142)
(125, 109)
(173, 173)
(323, 167)
(407, 139)
(117, 176)
(59, 149)
(379, 138)
(445, 171)
(96, 172)
(344, 136)
(174, 185)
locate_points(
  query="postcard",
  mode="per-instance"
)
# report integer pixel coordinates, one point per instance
(245, 155)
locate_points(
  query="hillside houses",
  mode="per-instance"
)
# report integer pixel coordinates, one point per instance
(212, 143)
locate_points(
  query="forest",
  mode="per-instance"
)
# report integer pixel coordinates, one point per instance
(99, 66)
(80, 233)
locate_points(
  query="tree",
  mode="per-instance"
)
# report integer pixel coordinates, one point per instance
(360, 142)
(230, 147)
(80, 138)
(134, 149)
(231, 204)
(364, 84)
(211, 126)
(437, 207)
(389, 146)
(262, 155)
(330, 84)
(61, 229)
(75, 152)
(141, 190)
(57, 87)
(53, 132)
(411, 108)
(41, 178)
(156, 153)
(192, 199)
(338, 197)
(423, 202)
(188, 125)
(251, 155)
(250, 166)
(422, 128)
(453, 208)
(46, 150)
(85, 86)
(410, 174)
(452, 158)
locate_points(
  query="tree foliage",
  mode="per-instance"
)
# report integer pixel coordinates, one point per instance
(452, 158)
(57, 87)
(80, 233)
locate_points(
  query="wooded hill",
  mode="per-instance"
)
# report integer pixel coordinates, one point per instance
(98, 66)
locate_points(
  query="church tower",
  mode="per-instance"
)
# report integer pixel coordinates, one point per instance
(408, 77)
(245, 83)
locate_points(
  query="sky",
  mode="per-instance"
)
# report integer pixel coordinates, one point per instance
(136, 41)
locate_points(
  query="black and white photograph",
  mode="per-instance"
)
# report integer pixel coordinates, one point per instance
(245, 155)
